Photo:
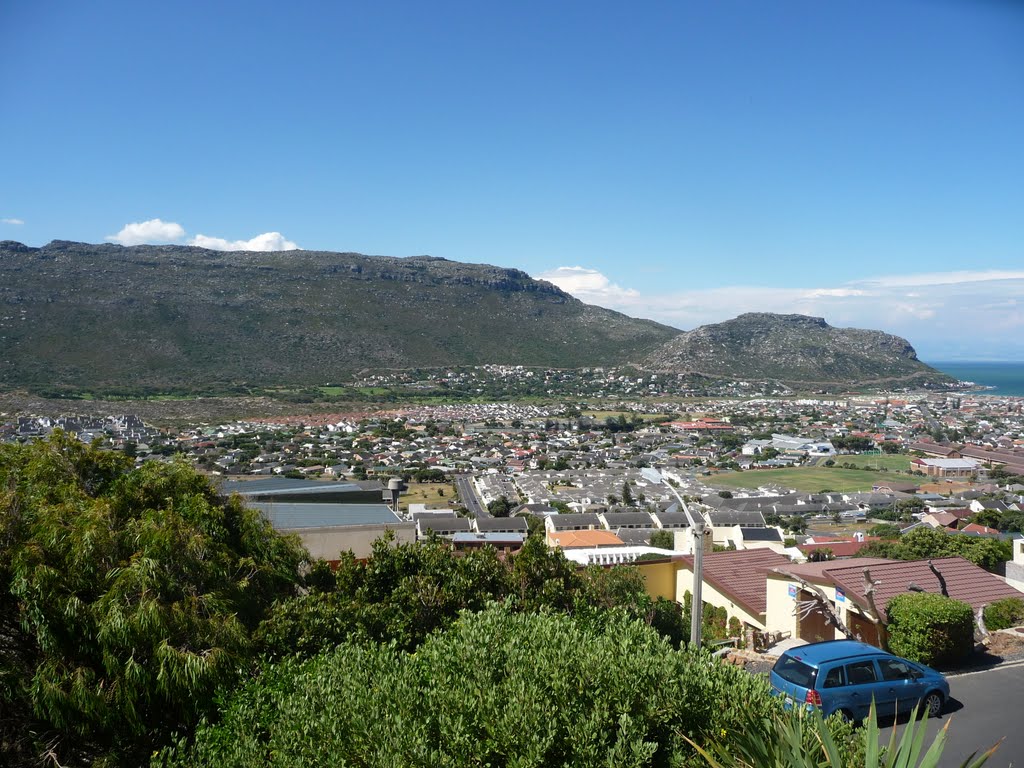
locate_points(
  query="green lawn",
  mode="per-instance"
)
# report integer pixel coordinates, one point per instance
(805, 479)
(893, 462)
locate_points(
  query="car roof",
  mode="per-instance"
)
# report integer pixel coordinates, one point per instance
(831, 650)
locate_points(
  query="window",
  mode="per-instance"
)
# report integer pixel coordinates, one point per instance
(861, 672)
(834, 678)
(894, 669)
(795, 671)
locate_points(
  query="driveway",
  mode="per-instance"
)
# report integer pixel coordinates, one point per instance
(984, 707)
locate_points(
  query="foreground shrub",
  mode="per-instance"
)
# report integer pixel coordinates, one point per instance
(127, 598)
(931, 629)
(497, 688)
(1003, 614)
(802, 739)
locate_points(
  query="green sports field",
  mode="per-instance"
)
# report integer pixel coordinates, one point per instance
(806, 479)
(893, 462)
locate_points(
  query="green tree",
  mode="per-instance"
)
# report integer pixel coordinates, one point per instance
(663, 539)
(627, 495)
(499, 507)
(128, 599)
(884, 531)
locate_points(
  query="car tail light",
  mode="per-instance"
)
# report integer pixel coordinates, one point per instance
(813, 697)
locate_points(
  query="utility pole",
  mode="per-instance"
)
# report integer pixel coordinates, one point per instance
(698, 529)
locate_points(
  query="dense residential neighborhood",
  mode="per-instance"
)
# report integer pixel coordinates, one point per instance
(493, 474)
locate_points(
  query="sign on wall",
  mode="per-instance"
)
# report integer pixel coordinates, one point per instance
(792, 591)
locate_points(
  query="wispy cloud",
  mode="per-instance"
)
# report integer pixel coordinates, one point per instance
(151, 231)
(957, 313)
(16, 222)
(156, 231)
(943, 278)
(268, 241)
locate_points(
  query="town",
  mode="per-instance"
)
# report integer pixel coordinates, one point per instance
(610, 477)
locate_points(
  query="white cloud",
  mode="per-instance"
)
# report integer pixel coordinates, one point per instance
(159, 231)
(968, 314)
(268, 241)
(152, 231)
(588, 285)
(11, 221)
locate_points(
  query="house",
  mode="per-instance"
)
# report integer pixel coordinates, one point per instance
(568, 539)
(442, 525)
(584, 521)
(840, 549)
(516, 525)
(944, 520)
(734, 581)
(791, 600)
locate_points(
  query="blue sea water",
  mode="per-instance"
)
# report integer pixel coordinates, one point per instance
(1004, 378)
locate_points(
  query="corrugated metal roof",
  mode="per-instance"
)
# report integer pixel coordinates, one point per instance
(287, 516)
(268, 486)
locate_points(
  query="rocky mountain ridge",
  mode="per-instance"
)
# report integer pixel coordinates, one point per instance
(95, 316)
(794, 349)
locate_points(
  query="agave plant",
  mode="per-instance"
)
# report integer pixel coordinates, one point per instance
(803, 739)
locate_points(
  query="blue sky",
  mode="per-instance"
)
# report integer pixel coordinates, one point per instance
(684, 161)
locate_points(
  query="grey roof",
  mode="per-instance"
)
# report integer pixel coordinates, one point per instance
(736, 517)
(269, 487)
(502, 524)
(761, 534)
(432, 514)
(577, 522)
(287, 516)
(443, 525)
(635, 535)
(628, 520)
(495, 539)
(673, 519)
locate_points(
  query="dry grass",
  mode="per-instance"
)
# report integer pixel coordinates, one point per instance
(431, 494)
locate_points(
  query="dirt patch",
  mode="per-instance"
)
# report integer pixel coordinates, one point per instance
(1005, 645)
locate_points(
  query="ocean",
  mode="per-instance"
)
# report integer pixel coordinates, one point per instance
(1003, 378)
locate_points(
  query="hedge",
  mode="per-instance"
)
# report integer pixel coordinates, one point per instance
(1003, 614)
(930, 629)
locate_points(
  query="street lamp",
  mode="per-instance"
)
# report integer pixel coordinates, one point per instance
(697, 527)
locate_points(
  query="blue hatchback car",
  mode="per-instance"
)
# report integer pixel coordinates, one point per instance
(845, 675)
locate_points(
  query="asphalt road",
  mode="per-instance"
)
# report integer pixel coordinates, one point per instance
(468, 496)
(984, 707)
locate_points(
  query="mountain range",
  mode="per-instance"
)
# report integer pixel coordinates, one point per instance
(93, 317)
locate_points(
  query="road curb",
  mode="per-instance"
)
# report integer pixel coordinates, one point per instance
(991, 667)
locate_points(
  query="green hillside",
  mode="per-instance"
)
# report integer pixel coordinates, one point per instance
(94, 316)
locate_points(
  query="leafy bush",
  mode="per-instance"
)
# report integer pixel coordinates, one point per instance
(1005, 613)
(496, 688)
(929, 628)
(127, 597)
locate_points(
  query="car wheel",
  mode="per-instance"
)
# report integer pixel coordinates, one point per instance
(931, 705)
(846, 716)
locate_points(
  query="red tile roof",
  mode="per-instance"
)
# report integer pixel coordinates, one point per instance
(982, 529)
(839, 548)
(964, 580)
(741, 575)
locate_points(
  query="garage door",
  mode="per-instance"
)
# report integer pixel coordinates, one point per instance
(813, 627)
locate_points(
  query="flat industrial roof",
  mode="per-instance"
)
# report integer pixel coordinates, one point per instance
(268, 486)
(287, 516)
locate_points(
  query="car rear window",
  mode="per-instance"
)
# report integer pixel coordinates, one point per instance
(792, 670)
